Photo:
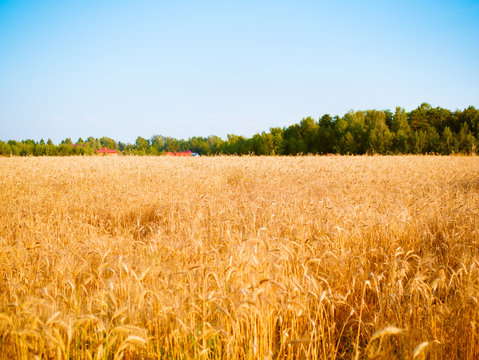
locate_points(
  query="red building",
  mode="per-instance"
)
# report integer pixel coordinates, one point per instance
(106, 151)
(181, 153)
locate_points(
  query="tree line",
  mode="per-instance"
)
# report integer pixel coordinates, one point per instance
(424, 130)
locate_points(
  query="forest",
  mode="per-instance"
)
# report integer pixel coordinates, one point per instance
(424, 130)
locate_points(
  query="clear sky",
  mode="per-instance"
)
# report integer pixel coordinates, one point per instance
(124, 69)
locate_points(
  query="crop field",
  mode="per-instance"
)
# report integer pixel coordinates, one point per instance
(239, 257)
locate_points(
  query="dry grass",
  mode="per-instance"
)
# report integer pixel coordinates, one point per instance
(239, 258)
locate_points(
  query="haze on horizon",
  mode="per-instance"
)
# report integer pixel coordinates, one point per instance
(125, 69)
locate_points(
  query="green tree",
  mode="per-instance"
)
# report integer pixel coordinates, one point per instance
(142, 144)
(400, 121)
(171, 144)
(65, 149)
(108, 143)
(433, 140)
(470, 116)
(326, 139)
(94, 143)
(40, 149)
(5, 149)
(419, 117)
(256, 144)
(263, 144)
(401, 129)
(277, 135)
(157, 143)
(309, 134)
(200, 145)
(214, 143)
(357, 128)
(341, 129)
(466, 141)
(379, 135)
(27, 147)
(235, 144)
(388, 118)
(290, 145)
(447, 141)
(417, 142)
(51, 149)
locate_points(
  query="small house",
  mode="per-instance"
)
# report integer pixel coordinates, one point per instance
(181, 153)
(106, 151)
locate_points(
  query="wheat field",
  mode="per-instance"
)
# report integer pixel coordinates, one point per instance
(239, 258)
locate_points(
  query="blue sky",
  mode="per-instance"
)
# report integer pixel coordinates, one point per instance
(124, 69)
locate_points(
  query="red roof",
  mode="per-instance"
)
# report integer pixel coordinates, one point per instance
(105, 150)
(184, 153)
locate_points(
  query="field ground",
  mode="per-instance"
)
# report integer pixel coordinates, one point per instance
(239, 257)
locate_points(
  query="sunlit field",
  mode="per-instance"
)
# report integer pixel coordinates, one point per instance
(239, 258)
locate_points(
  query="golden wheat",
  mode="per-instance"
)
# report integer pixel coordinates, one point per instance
(239, 257)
